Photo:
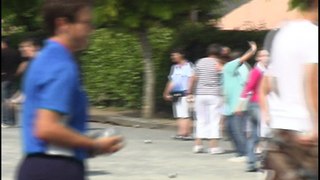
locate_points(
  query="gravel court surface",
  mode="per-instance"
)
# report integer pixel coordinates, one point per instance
(149, 154)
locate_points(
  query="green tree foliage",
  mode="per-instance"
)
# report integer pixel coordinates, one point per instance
(147, 13)
(8, 27)
(299, 4)
(22, 12)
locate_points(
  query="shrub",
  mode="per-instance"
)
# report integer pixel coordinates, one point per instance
(113, 69)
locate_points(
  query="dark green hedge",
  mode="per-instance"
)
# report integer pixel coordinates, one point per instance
(112, 68)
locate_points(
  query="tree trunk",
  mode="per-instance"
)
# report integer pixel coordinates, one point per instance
(194, 16)
(149, 76)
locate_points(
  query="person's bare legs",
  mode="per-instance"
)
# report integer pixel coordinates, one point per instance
(184, 126)
(222, 126)
(214, 146)
(198, 142)
(213, 143)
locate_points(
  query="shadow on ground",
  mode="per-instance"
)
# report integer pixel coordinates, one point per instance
(95, 129)
(228, 151)
(97, 173)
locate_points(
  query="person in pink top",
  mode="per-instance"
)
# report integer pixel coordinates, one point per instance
(250, 93)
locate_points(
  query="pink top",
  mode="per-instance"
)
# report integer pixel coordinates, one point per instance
(253, 84)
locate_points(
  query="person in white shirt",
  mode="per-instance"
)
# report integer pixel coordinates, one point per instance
(178, 91)
(293, 149)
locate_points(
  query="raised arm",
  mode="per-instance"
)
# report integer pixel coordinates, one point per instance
(249, 53)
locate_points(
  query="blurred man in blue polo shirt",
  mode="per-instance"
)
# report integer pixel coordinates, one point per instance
(55, 108)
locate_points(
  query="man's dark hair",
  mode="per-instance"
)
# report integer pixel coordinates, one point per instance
(53, 9)
(178, 50)
(235, 54)
(214, 50)
(303, 5)
(224, 59)
(33, 41)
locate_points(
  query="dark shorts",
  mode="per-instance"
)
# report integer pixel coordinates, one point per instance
(44, 167)
(289, 160)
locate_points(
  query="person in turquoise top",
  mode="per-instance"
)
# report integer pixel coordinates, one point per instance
(235, 74)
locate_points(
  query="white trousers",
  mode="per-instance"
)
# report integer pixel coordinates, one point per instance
(208, 116)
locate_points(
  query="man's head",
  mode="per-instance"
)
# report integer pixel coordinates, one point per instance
(214, 50)
(70, 20)
(29, 48)
(225, 51)
(177, 55)
(262, 56)
(235, 54)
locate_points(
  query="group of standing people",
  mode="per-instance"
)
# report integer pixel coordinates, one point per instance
(224, 89)
(14, 64)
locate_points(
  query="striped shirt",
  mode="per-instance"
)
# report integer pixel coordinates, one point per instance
(209, 78)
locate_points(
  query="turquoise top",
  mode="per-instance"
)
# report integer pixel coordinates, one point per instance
(235, 76)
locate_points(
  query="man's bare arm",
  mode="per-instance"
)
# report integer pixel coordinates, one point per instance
(249, 53)
(192, 83)
(22, 68)
(311, 92)
(167, 90)
(264, 90)
(49, 128)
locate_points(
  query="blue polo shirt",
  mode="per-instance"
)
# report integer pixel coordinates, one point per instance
(53, 83)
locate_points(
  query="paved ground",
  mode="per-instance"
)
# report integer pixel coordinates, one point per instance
(140, 161)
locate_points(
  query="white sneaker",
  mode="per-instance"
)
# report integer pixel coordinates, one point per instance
(18, 100)
(198, 149)
(238, 159)
(4, 125)
(258, 150)
(216, 150)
